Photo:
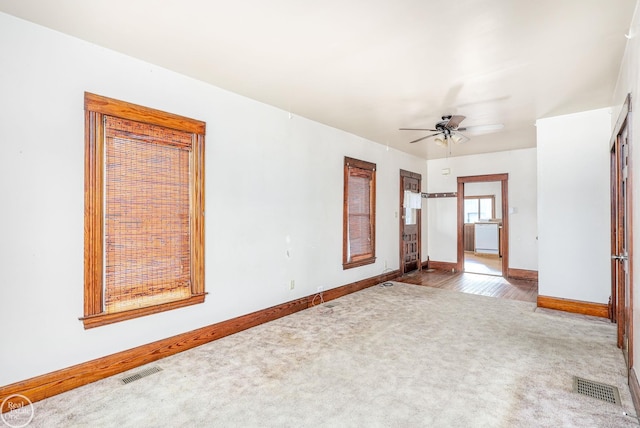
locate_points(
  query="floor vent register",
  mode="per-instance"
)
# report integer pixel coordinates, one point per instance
(141, 374)
(597, 390)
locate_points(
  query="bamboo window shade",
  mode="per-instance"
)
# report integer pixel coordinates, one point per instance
(147, 247)
(359, 212)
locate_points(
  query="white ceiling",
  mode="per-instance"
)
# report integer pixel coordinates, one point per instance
(371, 67)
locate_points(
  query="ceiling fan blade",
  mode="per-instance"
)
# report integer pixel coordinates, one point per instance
(482, 128)
(454, 121)
(417, 129)
(424, 138)
(460, 138)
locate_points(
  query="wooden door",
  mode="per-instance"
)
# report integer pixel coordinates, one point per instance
(410, 239)
(621, 243)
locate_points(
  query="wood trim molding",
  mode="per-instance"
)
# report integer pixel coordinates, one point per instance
(334, 293)
(460, 227)
(50, 384)
(483, 178)
(574, 306)
(447, 266)
(98, 320)
(530, 275)
(622, 117)
(634, 387)
(113, 107)
(504, 183)
(405, 173)
(440, 195)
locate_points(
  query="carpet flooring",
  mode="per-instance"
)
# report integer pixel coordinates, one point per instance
(396, 356)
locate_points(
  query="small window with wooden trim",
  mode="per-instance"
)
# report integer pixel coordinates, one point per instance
(359, 218)
(144, 211)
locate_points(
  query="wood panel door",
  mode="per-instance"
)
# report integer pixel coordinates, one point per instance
(410, 221)
(621, 242)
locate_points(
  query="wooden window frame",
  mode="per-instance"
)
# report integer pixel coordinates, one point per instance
(96, 108)
(349, 262)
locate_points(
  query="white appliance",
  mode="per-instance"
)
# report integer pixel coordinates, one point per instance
(487, 238)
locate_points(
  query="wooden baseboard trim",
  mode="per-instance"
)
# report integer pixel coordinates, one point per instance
(50, 384)
(530, 275)
(446, 266)
(334, 293)
(574, 306)
(634, 387)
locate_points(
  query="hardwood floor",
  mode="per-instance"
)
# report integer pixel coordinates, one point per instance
(472, 283)
(477, 263)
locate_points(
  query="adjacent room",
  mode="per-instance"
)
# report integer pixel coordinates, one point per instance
(318, 214)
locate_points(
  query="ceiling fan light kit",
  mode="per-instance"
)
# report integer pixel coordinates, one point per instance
(455, 138)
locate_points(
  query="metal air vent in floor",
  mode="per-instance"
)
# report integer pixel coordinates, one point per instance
(597, 390)
(141, 374)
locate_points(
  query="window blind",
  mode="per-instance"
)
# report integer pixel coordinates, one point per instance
(147, 255)
(359, 212)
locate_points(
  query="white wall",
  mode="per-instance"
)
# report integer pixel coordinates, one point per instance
(273, 184)
(629, 83)
(574, 206)
(442, 227)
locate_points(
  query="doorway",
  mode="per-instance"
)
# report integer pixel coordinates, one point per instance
(621, 234)
(410, 221)
(483, 228)
(483, 215)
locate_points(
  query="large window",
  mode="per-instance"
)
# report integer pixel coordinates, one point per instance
(144, 201)
(359, 221)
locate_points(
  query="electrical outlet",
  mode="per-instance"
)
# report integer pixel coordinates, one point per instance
(320, 289)
(292, 284)
(385, 264)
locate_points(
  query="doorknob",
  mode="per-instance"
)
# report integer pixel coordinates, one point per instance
(618, 258)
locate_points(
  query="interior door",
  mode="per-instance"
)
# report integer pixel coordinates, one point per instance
(621, 239)
(621, 291)
(410, 239)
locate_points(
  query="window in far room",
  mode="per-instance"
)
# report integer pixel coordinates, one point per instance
(478, 208)
(359, 220)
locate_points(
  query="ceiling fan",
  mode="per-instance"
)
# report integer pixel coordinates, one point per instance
(448, 130)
